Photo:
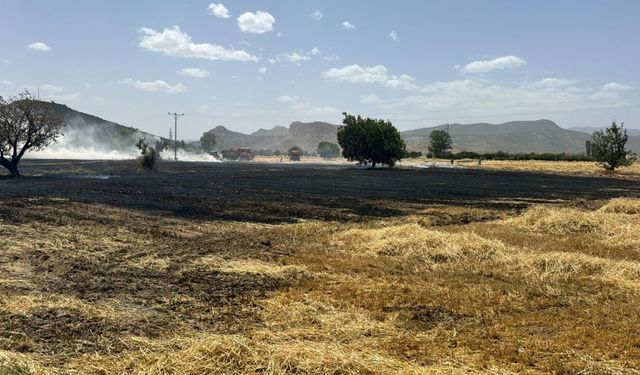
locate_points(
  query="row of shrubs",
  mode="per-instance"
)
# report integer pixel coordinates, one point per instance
(500, 155)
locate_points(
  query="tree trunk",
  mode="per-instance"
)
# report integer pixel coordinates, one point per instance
(13, 168)
(373, 165)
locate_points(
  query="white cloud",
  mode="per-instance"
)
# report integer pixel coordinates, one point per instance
(294, 57)
(317, 15)
(193, 72)
(6, 83)
(218, 10)
(288, 99)
(258, 23)
(155, 86)
(347, 25)
(262, 70)
(4, 61)
(393, 35)
(504, 62)
(482, 98)
(173, 42)
(555, 83)
(613, 86)
(374, 74)
(39, 46)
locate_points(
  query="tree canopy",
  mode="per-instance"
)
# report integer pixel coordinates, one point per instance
(328, 150)
(25, 124)
(608, 147)
(370, 141)
(208, 141)
(440, 143)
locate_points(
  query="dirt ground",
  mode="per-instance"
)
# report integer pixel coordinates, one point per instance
(234, 268)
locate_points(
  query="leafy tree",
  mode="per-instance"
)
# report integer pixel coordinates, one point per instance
(25, 124)
(608, 147)
(328, 150)
(440, 143)
(208, 141)
(149, 155)
(371, 141)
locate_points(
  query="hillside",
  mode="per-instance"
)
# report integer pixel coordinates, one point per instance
(84, 130)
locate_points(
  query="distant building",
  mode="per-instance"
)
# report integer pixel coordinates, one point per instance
(295, 153)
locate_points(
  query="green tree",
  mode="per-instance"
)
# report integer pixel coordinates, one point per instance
(440, 143)
(608, 147)
(328, 150)
(208, 141)
(25, 124)
(370, 141)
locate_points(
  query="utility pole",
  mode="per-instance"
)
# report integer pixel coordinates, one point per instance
(175, 133)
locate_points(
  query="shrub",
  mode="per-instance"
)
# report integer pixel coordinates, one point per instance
(149, 155)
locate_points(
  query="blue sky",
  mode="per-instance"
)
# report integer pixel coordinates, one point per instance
(256, 64)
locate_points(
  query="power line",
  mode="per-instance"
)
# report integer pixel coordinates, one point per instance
(175, 134)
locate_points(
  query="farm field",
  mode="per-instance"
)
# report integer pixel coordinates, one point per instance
(237, 268)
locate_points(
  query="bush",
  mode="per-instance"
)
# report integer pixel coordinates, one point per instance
(412, 154)
(148, 157)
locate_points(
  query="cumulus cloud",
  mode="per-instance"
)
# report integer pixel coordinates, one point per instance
(193, 72)
(262, 70)
(375, 74)
(155, 86)
(317, 15)
(39, 46)
(257, 23)
(218, 10)
(288, 99)
(347, 25)
(504, 62)
(393, 35)
(173, 42)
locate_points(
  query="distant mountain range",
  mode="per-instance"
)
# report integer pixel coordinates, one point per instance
(517, 136)
(304, 135)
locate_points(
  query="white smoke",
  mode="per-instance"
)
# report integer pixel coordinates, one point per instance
(183, 155)
(84, 141)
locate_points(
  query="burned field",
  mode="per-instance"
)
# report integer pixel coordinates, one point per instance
(262, 268)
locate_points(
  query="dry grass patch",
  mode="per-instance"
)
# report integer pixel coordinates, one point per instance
(417, 244)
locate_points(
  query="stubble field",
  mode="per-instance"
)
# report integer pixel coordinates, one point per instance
(242, 268)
